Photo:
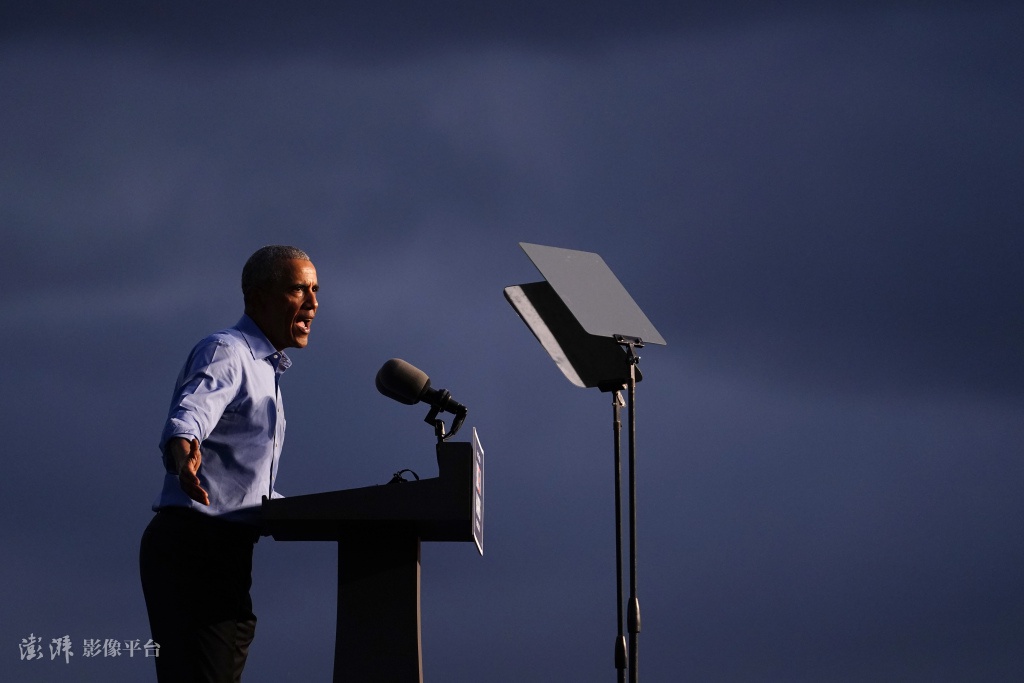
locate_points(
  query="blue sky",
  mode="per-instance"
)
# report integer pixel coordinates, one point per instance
(818, 209)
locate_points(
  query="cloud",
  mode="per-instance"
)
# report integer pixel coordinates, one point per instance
(817, 210)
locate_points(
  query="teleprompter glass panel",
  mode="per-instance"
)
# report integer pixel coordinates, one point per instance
(592, 293)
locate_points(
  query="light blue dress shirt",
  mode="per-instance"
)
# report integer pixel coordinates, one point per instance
(228, 397)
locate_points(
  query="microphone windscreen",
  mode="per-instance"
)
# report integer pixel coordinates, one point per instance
(402, 382)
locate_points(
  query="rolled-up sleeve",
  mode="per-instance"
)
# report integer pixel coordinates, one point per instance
(208, 383)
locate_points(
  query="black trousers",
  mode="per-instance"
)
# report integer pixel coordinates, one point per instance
(196, 573)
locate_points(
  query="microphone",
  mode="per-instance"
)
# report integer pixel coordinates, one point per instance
(408, 384)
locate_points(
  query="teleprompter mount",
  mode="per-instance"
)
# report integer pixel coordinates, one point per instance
(591, 328)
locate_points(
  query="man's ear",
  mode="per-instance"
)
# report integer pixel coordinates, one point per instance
(254, 299)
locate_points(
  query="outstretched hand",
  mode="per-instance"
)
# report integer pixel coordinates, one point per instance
(187, 458)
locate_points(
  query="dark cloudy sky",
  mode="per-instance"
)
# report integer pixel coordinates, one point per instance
(819, 209)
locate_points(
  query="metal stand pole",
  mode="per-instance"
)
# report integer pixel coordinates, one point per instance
(620, 640)
(633, 615)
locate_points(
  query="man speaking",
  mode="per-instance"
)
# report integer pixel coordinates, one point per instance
(221, 445)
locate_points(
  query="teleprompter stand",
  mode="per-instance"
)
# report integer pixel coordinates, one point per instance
(591, 328)
(378, 530)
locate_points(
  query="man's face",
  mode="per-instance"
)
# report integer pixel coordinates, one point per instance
(284, 310)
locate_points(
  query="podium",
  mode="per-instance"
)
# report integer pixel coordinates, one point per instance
(378, 530)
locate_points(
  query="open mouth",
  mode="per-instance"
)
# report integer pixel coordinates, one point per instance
(304, 324)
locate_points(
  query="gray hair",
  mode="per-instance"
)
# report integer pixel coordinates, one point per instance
(265, 267)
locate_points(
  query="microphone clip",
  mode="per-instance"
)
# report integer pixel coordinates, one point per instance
(442, 403)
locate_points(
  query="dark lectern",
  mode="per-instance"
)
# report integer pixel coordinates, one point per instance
(378, 530)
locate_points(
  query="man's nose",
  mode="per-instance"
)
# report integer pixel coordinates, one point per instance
(311, 301)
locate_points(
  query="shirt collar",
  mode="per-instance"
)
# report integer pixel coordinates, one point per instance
(260, 346)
